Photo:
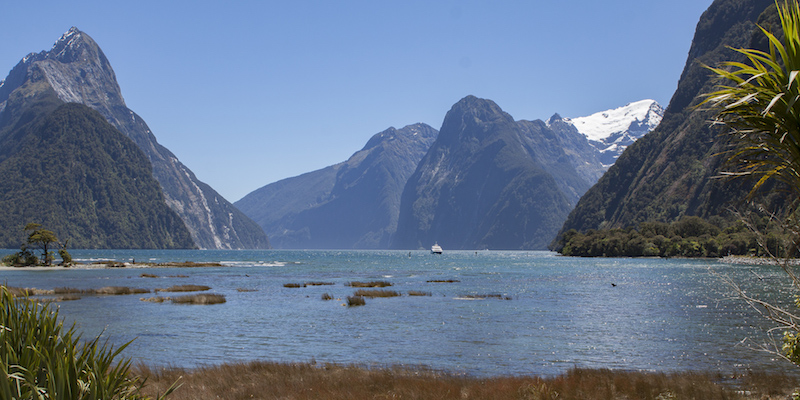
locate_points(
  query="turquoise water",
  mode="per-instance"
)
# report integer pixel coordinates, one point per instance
(662, 315)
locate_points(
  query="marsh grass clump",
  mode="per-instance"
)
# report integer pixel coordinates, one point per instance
(418, 293)
(184, 288)
(203, 299)
(40, 359)
(293, 285)
(245, 290)
(120, 290)
(335, 382)
(146, 275)
(372, 284)
(108, 290)
(156, 299)
(320, 283)
(376, 293)
(326, 296)
(443, 281)
(494, 296)
(354, 301)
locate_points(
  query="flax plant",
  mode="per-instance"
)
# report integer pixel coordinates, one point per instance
(39, 359)
(759, 100)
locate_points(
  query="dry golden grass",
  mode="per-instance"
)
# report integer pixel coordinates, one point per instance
(108, 290)
(354, 301)
(369, 284)
(184, 288)
(261, 380)
(375, 293)
(204, 298)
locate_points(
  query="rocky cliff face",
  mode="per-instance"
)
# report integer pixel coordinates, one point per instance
(78, 71)
(354, 204)
(482, 185)
(670, 172)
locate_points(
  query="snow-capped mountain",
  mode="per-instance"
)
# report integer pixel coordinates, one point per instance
(611, 131)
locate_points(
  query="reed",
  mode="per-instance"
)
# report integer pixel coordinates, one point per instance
(485, 296)
(184, 288)
(376, 293)
(355, 301)
(203, 298)
(120, 290)
(108, 290)
(372, 284)
(264, 380)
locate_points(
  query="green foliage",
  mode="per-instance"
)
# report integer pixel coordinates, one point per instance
(41, 238)
(39, 359)
(758, 101)
(688, 237)
(70, 170)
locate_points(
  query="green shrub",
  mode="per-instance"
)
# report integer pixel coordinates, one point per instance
(40, 359)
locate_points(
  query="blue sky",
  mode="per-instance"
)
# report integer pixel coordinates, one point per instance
(246, 93)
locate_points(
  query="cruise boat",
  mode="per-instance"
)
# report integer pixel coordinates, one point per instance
(436, 249)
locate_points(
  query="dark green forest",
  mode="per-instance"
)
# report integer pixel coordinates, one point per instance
(65, 167)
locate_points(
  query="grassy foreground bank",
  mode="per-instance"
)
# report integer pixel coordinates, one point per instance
(262, 380)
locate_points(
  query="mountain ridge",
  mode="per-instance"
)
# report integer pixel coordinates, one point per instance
(78, 71)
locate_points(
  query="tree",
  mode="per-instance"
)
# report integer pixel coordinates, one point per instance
(41, 238)
(759, 100)
(44, 240)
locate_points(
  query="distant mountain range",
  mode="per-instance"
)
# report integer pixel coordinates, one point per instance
(353, 204)
(75, 70)
(484, 181)
(671, 172)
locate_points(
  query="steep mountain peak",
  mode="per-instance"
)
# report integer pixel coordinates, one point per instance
(555, 118)
(645, 115)
(472, 116)
(611, 131)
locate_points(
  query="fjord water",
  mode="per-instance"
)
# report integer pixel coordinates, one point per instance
(631, 314)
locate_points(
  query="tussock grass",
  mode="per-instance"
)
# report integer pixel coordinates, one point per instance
(108, 290)
(263, 380)
(369, 284)
(184, 288)
(418, 293)
(485, 296)
(376, 293)
(354, 301)
(156, 299)
(120, 290)
(203, 298)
